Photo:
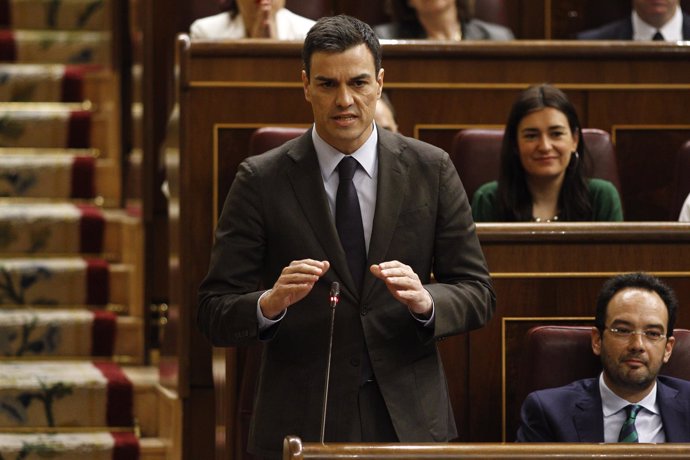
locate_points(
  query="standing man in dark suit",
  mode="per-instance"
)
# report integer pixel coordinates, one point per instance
(629, 402)
(282, 241)
(649, 20)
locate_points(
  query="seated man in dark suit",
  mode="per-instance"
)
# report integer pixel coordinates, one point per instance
(629, 401)
(650, 20)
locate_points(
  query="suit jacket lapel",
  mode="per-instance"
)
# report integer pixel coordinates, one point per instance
(307, 183)
(392, 183)
(588, 419)
(674, 414)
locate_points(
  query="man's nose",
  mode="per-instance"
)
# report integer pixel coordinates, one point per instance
(344, 97)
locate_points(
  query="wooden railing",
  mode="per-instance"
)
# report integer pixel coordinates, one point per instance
(295, 449)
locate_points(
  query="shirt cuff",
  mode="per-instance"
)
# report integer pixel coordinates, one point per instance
(426, 322)
(265, 323)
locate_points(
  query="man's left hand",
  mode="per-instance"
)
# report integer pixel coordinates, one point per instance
(405, 286)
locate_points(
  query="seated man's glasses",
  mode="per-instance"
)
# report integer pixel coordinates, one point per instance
(625, 333)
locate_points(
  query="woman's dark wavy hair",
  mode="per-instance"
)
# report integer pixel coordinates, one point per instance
(401, 12)
(514, 198)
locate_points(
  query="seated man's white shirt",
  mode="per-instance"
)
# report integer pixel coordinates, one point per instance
(649, 426)
(672, 30)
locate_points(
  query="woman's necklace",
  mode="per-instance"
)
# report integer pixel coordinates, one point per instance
(539, 219)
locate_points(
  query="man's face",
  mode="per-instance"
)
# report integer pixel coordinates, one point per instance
(343, 90)
(631, 364)
(655, 12)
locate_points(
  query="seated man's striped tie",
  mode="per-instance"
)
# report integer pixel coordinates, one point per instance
(628, 431)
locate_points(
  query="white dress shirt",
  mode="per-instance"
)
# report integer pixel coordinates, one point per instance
(648, 423)
(672, 30)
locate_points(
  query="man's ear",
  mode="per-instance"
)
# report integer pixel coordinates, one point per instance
(669, 348)
(305, 85)
(596, 341)
(379, 82)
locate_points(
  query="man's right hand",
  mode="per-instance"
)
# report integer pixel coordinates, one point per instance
(294, 283)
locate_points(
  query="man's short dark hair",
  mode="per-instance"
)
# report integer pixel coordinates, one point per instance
(335, 34)
(639, 281)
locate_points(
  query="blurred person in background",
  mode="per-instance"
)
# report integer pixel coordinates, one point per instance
(252, 19)
(659, 20)
(438, 20)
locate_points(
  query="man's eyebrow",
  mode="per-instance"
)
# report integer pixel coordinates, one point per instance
(362, 76)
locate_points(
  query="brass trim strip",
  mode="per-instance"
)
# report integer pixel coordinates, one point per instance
(452, 127)
(468, 86)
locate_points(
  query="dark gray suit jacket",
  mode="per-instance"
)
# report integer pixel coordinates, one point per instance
(573, 413)
(623, 30)
(276, 212)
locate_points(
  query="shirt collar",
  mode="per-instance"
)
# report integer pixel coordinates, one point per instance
(612, 403)
(672, 30)
(329, 157)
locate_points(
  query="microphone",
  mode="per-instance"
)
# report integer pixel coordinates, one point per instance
(335, 294)
(334, 297)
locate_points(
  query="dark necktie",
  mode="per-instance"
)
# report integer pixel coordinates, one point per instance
(628, 431)
(657, 37)
(348, 220)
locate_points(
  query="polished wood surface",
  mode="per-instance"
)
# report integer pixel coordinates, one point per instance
(295, 449)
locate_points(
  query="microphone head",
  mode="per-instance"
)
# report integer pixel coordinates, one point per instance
(335, 289)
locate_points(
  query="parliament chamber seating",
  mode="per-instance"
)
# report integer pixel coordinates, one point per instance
(266, 138)
(681, 186)
(554, 356)
(557, 355)
(476, 154)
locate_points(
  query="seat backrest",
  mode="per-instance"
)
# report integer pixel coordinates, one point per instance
(313, 9)
(681, 183)
(476, 154)
(492, 11)
(269, 137)
(557, 355)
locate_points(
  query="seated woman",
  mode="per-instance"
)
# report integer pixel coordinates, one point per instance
(252, 19)
(438, 20)
(543, 164)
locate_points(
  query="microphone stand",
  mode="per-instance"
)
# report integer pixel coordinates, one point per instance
(333, 298)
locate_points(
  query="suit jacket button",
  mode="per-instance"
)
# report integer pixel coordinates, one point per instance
(364, 312)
